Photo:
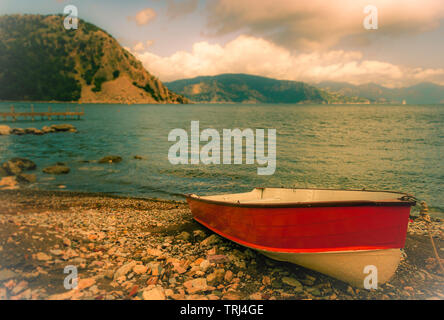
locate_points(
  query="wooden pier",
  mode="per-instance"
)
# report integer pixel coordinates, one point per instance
(43, 115)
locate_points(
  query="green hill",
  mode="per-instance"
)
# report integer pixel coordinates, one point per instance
(42, 61)
(243, 88)
(421, 93)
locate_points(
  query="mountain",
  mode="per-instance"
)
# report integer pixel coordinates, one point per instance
(422, 93)
(243, 88)
(42, 61)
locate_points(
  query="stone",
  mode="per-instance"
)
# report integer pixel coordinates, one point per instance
(184, 236)
(56, 252)
(228, 276)
(204, 265)
(123, 270)
(218, 258)
(213, 239)
(156, 293)
(6, 274)
(216, 277)
(179, 268)
(231, 296)
(199, 235)
(266, 281)
(41, 256)
(47, 129)
(8, 183)
(140, 269)
(5, 130)
(111, 159)
(292, 282)
(196, 285)
(33, 131)
(67, 242)
(133, 290)
(18, 131)
(154, 252)
(26, 178)
(256, 296)
(155, 268)
(63, 127)
(15, 166)
(211, 279)
(56, 169)
(85, 283)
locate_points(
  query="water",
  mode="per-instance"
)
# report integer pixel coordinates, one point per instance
(324, 146)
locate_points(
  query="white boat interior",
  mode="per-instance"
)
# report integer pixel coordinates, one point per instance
(281, 195)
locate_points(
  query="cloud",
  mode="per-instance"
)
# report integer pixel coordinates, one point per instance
(140, 46)
(177, 9)
(144, 16)
(320, 24)
(252, 55)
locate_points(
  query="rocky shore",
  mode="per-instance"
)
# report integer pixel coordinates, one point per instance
(125, 248)
(15, 172)
(6, 130)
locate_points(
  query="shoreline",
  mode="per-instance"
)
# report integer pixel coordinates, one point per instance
(137, 248)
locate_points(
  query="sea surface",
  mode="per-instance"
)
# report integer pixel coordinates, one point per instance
(384, 147)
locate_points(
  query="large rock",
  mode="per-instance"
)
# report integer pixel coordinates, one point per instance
(47, 129)
(18, 131)
(16, 165)
(63, 127)
(5, 130)
(33, 131)
(8, 183)
(110, 159)
(26, 178)
(58, 168)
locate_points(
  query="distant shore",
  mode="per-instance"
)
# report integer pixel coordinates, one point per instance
(128, 248)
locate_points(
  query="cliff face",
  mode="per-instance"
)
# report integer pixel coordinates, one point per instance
(41, 60)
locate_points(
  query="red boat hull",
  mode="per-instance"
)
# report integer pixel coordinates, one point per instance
(309, 229)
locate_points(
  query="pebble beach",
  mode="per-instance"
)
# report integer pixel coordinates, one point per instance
(139, 249)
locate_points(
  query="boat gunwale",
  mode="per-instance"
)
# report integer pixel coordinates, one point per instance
(316, 204)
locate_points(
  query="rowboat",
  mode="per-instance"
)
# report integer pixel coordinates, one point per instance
(335, 232)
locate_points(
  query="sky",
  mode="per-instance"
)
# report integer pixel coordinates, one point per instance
(312, 41)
